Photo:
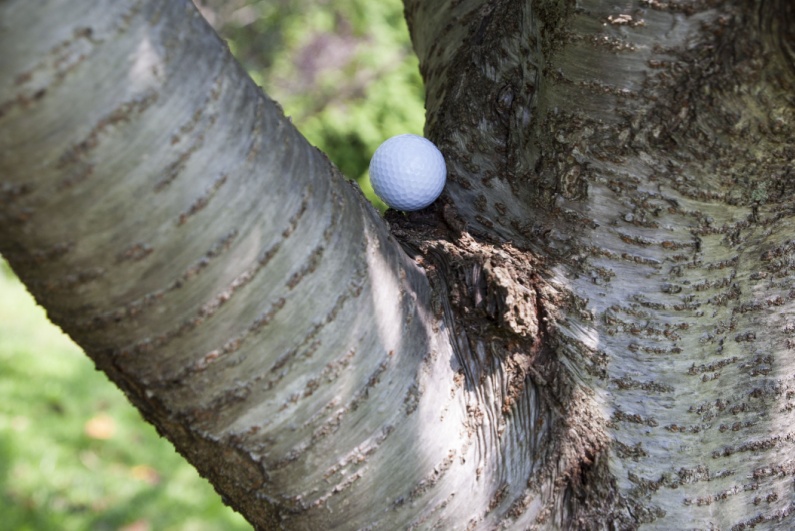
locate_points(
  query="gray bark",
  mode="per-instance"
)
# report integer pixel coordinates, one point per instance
(645, 150)
(592, 328)
(214, 265)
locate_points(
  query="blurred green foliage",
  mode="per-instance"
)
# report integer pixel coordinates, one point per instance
(73, 453)
(343, 70)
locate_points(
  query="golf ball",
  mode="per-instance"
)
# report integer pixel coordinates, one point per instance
(407, 172)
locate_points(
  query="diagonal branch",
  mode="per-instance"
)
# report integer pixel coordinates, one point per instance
(215, 265)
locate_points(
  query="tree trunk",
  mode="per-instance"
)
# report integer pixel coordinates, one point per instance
(590, 330)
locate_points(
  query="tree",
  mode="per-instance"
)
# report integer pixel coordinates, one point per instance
(591, 329)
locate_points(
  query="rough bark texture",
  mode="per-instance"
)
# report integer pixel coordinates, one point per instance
(591, 330)
(245, 297)
(644, 149)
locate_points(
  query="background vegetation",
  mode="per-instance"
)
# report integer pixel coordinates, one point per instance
(73, 452)
(343, 70)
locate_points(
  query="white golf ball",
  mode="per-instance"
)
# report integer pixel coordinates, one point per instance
(407, 172)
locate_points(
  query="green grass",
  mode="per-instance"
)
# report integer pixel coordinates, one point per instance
(74, 454)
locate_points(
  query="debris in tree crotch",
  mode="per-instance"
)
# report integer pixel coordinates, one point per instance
(509, 302)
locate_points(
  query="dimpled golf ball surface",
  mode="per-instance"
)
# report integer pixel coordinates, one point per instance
(407, 172)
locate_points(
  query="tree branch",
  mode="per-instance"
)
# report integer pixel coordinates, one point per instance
(615, 142)
(217, 267)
